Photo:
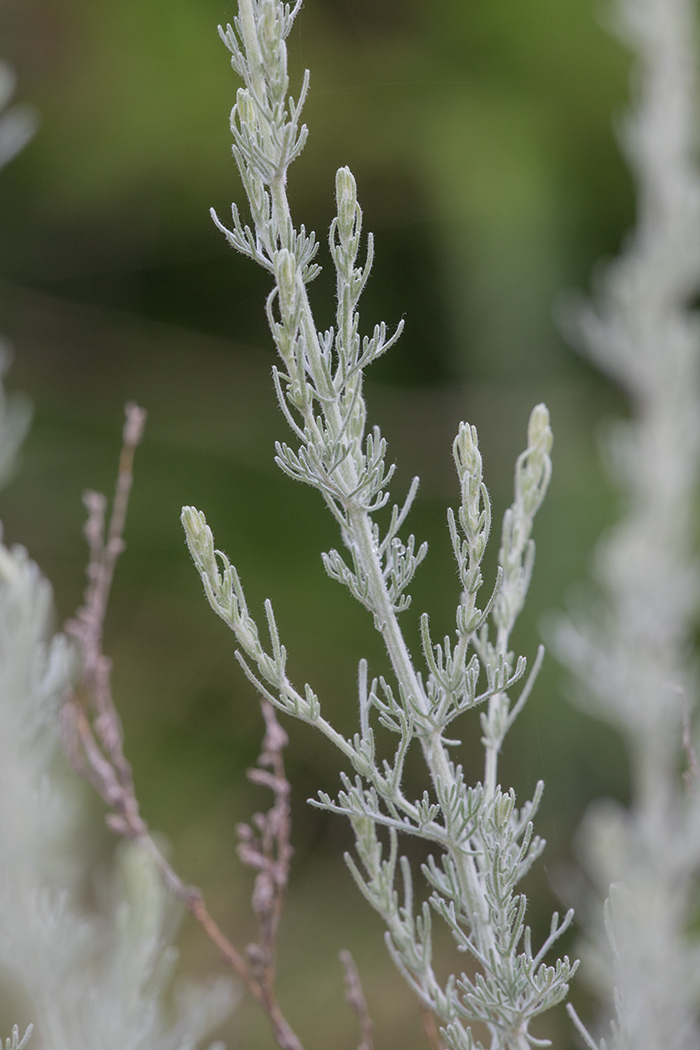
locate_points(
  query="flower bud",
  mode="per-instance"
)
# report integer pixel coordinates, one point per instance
(245, 108)
(346, 198)
(285, 274)
(538, 430)
(199, 538)
(465, 450)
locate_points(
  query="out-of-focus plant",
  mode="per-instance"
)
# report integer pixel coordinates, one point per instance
(92, 979)
(632, 651)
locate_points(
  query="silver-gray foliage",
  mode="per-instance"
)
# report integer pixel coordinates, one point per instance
(631, 653)
(483, 843)
(15, 1043)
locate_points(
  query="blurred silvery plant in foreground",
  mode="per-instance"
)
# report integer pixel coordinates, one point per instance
(18, 123)
(91, 979)
(482, 842)
(631, 652)
(17, 126)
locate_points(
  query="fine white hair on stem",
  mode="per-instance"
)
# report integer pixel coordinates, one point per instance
(631, 651)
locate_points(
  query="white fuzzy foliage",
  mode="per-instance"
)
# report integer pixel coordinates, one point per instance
(483, 844)
(93, 979)
(631, 654)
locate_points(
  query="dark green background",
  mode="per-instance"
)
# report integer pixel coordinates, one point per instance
(480, 134)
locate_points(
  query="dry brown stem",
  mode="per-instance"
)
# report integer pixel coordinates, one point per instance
(430, 1026)
(356, 998)
(94, 741)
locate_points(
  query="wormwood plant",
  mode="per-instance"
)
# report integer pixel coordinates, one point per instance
(483, 843)
(97, 980)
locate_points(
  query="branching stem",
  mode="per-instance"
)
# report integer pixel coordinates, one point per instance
(94, 743)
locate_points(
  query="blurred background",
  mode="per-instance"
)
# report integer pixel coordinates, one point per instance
(480, 134)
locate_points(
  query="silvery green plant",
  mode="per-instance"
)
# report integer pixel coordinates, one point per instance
(92, 979)
(15, 1043)
(631, 653)
(482, 842)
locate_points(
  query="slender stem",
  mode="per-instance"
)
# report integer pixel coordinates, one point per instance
(356, 998)
(429, 1026)
(96, 752)
(434, 750)
(193, 900)
(492, 746)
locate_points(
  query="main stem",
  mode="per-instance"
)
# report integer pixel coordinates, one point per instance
(360, 529)
(434, 751)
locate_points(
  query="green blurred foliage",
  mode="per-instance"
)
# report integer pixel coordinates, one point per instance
(480, 134)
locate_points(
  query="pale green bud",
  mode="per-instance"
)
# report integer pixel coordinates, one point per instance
(346, 198)
(286, 273)
(539, 433)
(465, 450)
(199, 538)
(270, 32)
(245, 108)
